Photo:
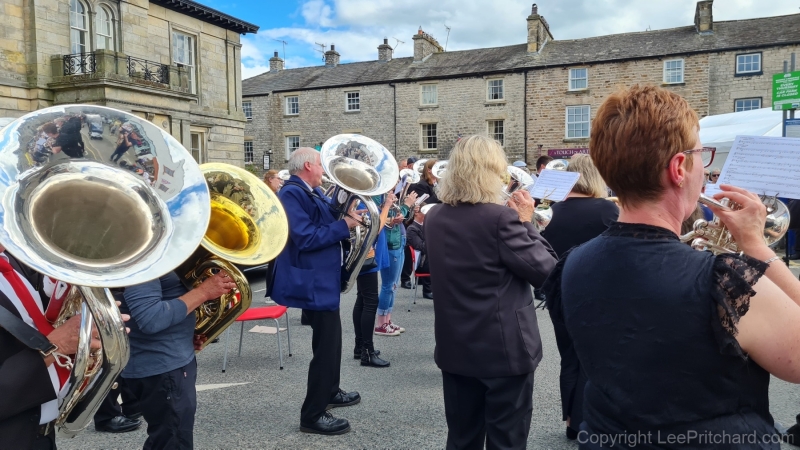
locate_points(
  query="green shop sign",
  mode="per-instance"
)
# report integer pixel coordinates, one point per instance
(786, 91)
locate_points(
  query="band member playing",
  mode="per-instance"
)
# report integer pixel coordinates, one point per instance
(487, 339)
(29, 381)
(162, 370)
(307, 275)
(673, 341)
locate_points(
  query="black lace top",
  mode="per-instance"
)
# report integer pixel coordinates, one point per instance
(653, 323)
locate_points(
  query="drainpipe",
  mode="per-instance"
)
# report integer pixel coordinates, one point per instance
(394, 102)
(525, 115)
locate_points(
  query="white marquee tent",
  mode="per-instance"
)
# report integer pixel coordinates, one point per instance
(719, 131)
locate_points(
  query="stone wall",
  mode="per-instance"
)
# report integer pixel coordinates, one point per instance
(725, 86)
(462, 109)
(548, 95)
(32, 34)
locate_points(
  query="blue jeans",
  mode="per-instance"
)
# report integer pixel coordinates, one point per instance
(390, 276)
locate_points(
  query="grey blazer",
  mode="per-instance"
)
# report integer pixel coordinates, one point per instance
(483, 262)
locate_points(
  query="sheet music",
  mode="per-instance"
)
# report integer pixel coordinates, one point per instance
(764, 166)
(554, 185)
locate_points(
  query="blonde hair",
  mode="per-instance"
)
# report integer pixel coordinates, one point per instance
(590, 183)
(475, 172)
(269, 174)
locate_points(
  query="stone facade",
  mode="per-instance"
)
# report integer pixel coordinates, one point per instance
(726, 86)
(548, 95)
(536, 84)
(36, 71)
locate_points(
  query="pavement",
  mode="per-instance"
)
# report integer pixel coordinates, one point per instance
(254, 405)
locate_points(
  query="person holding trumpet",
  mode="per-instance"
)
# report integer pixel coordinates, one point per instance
(674, 343)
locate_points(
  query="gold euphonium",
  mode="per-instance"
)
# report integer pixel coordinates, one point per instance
(359, 167)
(70, 214)
(248, 227)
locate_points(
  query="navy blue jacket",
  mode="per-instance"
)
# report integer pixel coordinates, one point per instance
(307, 273)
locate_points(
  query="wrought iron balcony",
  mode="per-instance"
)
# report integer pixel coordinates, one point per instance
(148, 70)
(80, 63)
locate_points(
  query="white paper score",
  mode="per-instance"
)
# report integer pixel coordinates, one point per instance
(764, 166)
(554, 185)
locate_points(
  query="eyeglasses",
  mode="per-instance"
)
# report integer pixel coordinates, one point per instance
(714, 175)
(706, 153)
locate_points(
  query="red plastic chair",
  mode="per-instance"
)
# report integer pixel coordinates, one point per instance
(415, 275)
(261, 313)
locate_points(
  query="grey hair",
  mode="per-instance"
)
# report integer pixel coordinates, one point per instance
(299, 158)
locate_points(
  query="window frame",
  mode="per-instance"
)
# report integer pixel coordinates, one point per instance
(489, 87)
(248, 109)
(248, 151)
(201, 141)
(567, 122)
(286, 105)
(193, 73)
(585, 79)
(435, 87)
(288, 147)
(425, 139)
(760, 70)
(111, 36)
(82, 32)
(347, 101)
(735, 101)
(491, 130)
(683, 71)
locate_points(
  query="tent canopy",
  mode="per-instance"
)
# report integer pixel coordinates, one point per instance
(719, 131)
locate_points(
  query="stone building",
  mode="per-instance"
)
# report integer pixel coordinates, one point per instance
(176, 63)
(536, 98)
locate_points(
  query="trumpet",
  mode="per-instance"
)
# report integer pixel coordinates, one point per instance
(714, 236)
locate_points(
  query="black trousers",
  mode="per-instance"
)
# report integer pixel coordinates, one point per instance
(496, 411)
(111, 408)
(168, 403)
(405, 275)
(572, 378)
(45, 441)
(365, 308)
(326, 362)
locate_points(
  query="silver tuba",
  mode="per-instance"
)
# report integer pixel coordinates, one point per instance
(359, 168)
(439, 168)
(97, 198)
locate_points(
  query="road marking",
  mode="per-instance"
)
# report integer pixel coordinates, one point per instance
(260, 290)
(208, 387)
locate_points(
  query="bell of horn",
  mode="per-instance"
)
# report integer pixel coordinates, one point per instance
(360, 168)
(97, 198)
(248, 227)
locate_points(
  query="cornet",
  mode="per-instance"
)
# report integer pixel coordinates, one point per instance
(715, 237)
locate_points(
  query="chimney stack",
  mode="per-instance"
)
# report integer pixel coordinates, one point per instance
(275, 63)
(385, 51)
(703, 17)
(538, 31)
(425, 45)
(332, 57)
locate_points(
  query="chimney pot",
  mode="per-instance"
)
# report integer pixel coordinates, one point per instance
(332, 57)
(333, 48)
(276, 54)
(385, 41)
(385, 51)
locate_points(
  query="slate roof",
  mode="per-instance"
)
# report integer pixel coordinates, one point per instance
(727, 36)
(206, 14)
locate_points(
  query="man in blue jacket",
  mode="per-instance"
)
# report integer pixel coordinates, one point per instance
(307, 275)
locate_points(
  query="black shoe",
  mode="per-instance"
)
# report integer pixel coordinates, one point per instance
(405, 285)
(119, 424)
(357, 352)
(134, 416)
(327, 425)
(572, 434)
(371, 359)
(344, 399)
(792, 435)
(794, 256)
(428, 295)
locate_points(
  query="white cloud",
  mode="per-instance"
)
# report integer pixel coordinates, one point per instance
(357, 27)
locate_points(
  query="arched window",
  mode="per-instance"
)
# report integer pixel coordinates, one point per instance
(104, 25)
(78, 27)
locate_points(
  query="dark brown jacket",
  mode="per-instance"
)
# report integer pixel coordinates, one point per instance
(483, 261)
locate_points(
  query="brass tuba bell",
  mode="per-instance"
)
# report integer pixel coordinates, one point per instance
(359, 168)
(80, 207)
(248, 227)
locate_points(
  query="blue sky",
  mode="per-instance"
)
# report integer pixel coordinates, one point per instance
(357, 27)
